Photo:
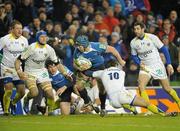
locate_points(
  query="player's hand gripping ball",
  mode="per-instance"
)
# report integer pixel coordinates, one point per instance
(83, 64)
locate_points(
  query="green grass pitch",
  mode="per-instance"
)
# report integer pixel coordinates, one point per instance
(90, 123)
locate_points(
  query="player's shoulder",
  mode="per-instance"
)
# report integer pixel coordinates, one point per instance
(6, 37)
(93, 44)
(23, 38)
(113, 68)
(133, 41)
(98, 46)
(32, 46)
(50, 48)
(149, 35)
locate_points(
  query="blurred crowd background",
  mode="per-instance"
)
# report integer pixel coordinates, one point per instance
(107, 21)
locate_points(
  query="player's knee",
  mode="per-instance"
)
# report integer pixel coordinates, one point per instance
(22, 93)
(50, 94)
(46, 86)
(8, 86)
(34, 93)
(79, 88)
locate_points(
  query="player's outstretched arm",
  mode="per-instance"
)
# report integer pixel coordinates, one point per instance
(116, 54)
(62, 69)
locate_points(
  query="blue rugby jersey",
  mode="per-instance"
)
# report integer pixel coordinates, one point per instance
(94, 55)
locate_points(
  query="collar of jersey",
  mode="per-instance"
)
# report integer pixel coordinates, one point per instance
(37, 45)
(12, 36)
(57, 72)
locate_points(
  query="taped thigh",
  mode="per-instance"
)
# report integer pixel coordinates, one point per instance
(31, 83)
(45, 86)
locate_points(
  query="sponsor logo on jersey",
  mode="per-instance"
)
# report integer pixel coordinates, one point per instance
(145, 53)
(22, 44)
(38, 61)
(16, 42)
(45, 54)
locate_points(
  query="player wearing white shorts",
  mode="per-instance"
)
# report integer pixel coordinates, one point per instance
(113, 81)
(13, 44)
(144, 51)
(35, 72)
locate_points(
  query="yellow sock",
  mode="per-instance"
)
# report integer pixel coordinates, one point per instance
(56, 105)
(6, 100)
(16, 98)
(175, 96)
(145, 95)
(155, 110)
(50, 104)
(129, 107)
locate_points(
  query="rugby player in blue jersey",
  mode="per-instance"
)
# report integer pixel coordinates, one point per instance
(94, 52)
(62, 85)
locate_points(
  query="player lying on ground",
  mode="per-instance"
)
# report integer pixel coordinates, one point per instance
(63, 88)
(113, 81)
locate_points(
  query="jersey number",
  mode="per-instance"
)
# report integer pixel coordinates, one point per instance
(114, 75)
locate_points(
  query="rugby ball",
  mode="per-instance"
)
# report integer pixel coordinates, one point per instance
(83, 63)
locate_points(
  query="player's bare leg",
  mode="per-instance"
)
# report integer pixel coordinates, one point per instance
(139, 101)
(80, 85)
(47, 87)
(166, 86)
(142, 82)
(65, 108)
(20, 92)
(33, 92)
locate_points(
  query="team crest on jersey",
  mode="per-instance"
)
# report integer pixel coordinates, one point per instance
(148, 44)
(22, 44)
(102, 46)
(138, 47)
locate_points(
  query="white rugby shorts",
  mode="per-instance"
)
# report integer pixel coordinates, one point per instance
(156, 70)
(40, 75)
(121, 97)
(9, 72)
